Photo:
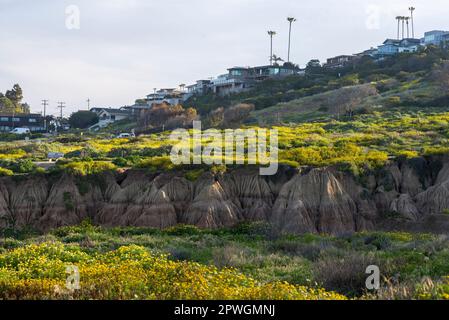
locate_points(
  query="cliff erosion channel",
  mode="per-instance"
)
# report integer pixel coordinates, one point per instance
(409, 195)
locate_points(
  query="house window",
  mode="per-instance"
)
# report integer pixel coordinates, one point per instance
(32, 120)
(16, 119)
(4, 119)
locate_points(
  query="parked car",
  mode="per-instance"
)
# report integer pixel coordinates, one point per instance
(55, 156)
(20, 131)
(126, 135)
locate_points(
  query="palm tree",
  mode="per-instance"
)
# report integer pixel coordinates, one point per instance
(411, 17)
(276, 59)
(271, 34)
(399, 24)
(290, 20)
(408, 30)
(403, 21)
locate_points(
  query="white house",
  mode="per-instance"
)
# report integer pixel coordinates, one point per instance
(170, 96)
(109, 115)
(393, 46)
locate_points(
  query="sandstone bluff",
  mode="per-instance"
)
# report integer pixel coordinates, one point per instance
(408, 194)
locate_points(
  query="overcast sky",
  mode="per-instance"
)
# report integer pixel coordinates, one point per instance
(125, 48)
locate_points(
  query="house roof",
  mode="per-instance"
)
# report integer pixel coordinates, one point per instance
(20, 115)
(113, 111)
(397, 42)
(392, 41)
(138, 106)
(343, 56)
(411, 40)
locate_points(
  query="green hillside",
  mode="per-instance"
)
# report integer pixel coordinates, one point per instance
(412, 80)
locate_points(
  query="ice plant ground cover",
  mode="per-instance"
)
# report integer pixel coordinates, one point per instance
(245, 262)
(38, 271)
(368, 141)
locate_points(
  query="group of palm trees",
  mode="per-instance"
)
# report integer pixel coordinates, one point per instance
(405, 21)
(274, 59)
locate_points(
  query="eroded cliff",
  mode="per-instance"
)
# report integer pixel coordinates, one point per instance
(405, 194)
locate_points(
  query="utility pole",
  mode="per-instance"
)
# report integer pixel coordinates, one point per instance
(45, 104)
(88, 104)
(290, 21)
(411, 17)
(61, 105)
(271, 34)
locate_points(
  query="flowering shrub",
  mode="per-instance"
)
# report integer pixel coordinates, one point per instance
(38, 271)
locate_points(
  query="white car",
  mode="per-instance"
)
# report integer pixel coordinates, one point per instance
(126, 135)
(20, 131)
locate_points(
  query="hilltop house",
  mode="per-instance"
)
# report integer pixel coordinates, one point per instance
(394, 46)
(32, 121)
(228, 83)
(170, 96)
(136, 109)
(239, 79)
(339, 61)
(436, 37)
(371, 52)
(200, 87)
(109, 115)
(274, 71)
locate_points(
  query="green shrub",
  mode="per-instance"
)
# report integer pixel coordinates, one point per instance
(157, 163)
(83, 153)
(193, 175)
(83, 168)
(182, 230)
(394, 101)
(23, 166)
(68, 201)
(5, 172)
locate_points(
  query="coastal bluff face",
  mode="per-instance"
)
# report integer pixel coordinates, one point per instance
(408, 194)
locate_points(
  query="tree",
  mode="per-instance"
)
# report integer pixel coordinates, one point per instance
(6, 105)
(236, 115)
(83, 119)
(25, 108)
(15, 95)
(168, 116)
(140, 102)
(276, 59)
(440, 75)
(313, 66)
(215, 117)
(347, 100)
(271, 34)
(11, 101)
